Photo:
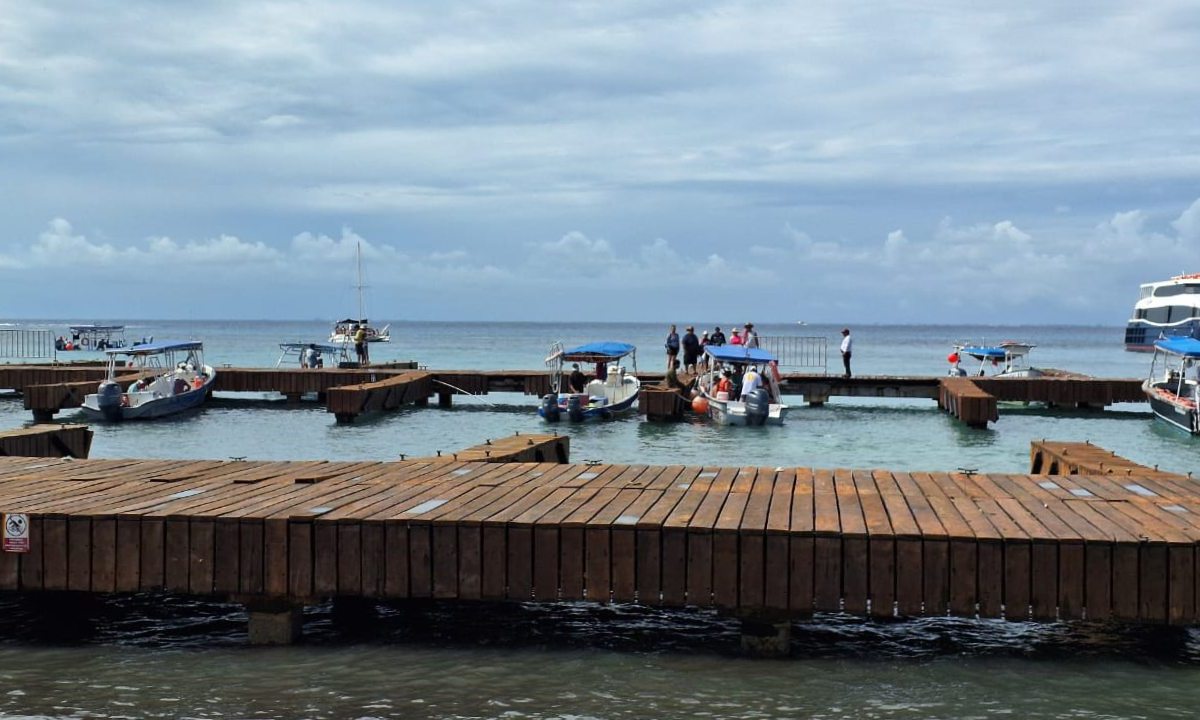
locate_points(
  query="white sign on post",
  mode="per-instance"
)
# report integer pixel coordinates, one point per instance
(16, 532)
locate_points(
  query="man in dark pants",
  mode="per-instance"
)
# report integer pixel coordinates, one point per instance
(691, 349)
(847, 348)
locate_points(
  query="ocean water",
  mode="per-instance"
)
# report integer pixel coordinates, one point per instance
(173, 657)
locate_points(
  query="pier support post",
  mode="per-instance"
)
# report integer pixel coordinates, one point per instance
(344, 418)
(293, 398)
(766, 637)
(274, 623)
(816, 399)
(43, 416)
(421, 402)
(445, 399)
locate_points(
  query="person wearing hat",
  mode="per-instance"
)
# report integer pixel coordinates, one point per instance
(737, 337)
(847, 348)
(577, 380)
(717, 338)
(749, 337)
(691, 349)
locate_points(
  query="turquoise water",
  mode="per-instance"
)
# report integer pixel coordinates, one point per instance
(172, 657)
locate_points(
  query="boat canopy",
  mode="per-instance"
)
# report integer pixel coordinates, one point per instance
(596, 352)
(96, 328)
(325, 348)
(738, 354)
(980, 352)
(1182, 345)
(352, 321)
(155, 348)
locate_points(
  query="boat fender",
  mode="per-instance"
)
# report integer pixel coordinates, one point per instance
(550, 409)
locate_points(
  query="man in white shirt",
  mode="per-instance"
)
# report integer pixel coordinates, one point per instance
(751, 381)
(847, 347)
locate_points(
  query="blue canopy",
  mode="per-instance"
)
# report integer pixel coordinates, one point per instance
(323, 347)
(982, 352)
(738, 354)
(598, 352)
(155, 348)
(1179, 345)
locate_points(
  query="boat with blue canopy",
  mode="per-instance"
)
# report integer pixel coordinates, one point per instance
(165, 378)
(741, 386)
(610, 391)
(1173, 386)
(312, 354)
(1006, 359)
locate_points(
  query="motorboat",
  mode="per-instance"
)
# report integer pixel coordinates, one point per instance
(1165, 308)
(93, 337)
(611, 391)
(167, 377)
(1004, 360)
(293, 353)
(345, 330)
(761, 406)
(1173, 387)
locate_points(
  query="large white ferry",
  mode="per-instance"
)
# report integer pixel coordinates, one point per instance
(1170, 308)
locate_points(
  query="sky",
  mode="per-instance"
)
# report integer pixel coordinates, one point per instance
(825, 161)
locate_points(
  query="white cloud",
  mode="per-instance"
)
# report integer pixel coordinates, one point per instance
(1188, 223)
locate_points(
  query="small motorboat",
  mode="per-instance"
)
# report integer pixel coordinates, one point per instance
(167, 377)
(293, 353)
(612, 391)
(1006, 360)
(760, 406)
(1173, 387)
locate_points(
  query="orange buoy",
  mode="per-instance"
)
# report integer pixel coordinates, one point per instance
(952, 358)
(700, 405)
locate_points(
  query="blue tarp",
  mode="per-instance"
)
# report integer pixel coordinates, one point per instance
(1179, 345)
(738, 354)
(157, 347)
(603, 350)
(991, 353)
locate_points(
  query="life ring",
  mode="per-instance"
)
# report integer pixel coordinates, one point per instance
(84, 341)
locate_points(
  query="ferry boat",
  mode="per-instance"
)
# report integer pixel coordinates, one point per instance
(1173, 387)
(1169, 307)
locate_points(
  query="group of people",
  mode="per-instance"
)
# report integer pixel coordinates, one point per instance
(692, 346)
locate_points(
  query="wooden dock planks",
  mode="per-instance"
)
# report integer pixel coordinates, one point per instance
(788, 541)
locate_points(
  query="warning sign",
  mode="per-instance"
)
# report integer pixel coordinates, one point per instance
(16, 532)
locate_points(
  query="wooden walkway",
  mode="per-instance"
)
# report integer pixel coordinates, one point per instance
(780, 541)
(348, 393)
(47, 441)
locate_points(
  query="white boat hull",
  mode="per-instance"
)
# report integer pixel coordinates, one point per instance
(733, 412)
(170, 393)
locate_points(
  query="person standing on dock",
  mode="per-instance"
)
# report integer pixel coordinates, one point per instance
(847, 349)
(717, 338)
(691, 349)
(749, 337)
(360, 345)
(672, 346)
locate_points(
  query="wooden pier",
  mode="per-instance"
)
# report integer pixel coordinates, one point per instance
(52, 441)
(350, 392)
(759, 541)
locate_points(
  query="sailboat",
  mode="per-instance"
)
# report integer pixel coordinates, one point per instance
(344, 330)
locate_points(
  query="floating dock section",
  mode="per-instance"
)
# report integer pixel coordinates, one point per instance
(48, 441)
(768, 541)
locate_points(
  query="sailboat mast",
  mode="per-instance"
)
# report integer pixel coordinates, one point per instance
(360, 285)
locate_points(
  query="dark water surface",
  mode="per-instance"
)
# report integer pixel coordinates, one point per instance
(152, 656)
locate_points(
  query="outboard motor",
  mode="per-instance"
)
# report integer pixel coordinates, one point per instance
(108, 399)
(574, 408)
(758, 407)
(550, 409)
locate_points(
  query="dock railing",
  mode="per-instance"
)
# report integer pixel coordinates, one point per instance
(798, 354)
(20, 344)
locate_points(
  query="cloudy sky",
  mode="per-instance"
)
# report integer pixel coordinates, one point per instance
(830, 161)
